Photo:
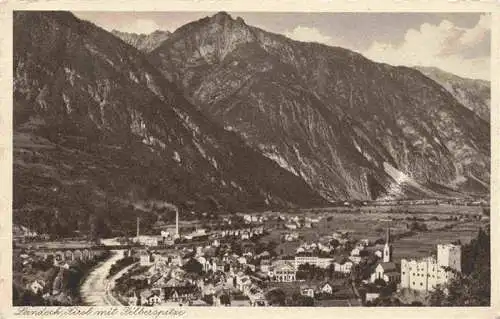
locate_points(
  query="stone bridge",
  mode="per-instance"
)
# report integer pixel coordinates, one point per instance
(74, 254)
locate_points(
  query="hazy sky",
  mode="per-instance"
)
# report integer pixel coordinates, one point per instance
(455, 42)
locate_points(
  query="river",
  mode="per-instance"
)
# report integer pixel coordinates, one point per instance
(96, 289)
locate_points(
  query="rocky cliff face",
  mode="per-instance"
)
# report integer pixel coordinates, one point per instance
(143, 42)
(349, 127)
(471, 93)
(97, 128)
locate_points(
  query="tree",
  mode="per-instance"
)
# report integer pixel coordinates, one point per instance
(276, 297)
(388, 289)
(380, 282)
(486, 211)
(384, 302)
(438, 297)
(193, 266)
(416, 226)
(225, 300)
(335, 243)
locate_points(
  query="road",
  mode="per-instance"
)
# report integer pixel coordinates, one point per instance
(96, 290)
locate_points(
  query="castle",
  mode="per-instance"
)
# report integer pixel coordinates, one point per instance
(425, 274)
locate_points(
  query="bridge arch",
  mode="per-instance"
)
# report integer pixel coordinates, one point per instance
(86, 254)
(59, 256)
(69, 255)
(77, 255)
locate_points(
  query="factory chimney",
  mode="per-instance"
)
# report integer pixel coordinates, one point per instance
(138, 222)
(177, 223)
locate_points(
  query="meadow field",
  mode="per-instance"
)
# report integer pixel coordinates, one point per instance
(445, 223)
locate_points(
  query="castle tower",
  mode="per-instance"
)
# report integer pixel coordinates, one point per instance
(387, 248)
(449, 255)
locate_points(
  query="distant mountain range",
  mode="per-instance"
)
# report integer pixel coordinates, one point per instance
(223, 116)
(143, 42)
(471, 93)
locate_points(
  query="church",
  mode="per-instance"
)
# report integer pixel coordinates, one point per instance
(387, 269)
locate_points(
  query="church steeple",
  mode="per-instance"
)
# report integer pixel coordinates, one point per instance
(387, 247)
(388, 236)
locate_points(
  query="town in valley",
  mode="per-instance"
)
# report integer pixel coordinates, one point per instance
(361, 254)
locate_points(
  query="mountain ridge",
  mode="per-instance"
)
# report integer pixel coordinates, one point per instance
(141, 41)
(241, 75)
(474, 94)
(98, 128)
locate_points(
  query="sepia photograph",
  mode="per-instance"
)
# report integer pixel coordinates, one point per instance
(251, 159)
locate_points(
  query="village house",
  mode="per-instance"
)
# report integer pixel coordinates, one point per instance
(365, 242)
(324, 262)
(145, 258)
(208, 289)
(307, 291)
(326, 288)
(217, 265)
(63, 265)
(133, 299)
(265, 265)
(177, 273)
(243, 283)
(150, 298)
(242, 260)
(150, 241)
(259, 230)
(180, 294)
(247, 218)
(291, 236)
(338, 235)
(36, 286)
(312, 260)
(371, 295)
(251, 267)
(343, 265)
(204, 263)
(325, 248)
(355, 256)
(315, 220)
(216, 300)
(199, 251)
(282, 271)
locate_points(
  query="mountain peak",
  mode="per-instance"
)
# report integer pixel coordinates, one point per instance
(158, 32)
(143, 42)
(222, 15)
